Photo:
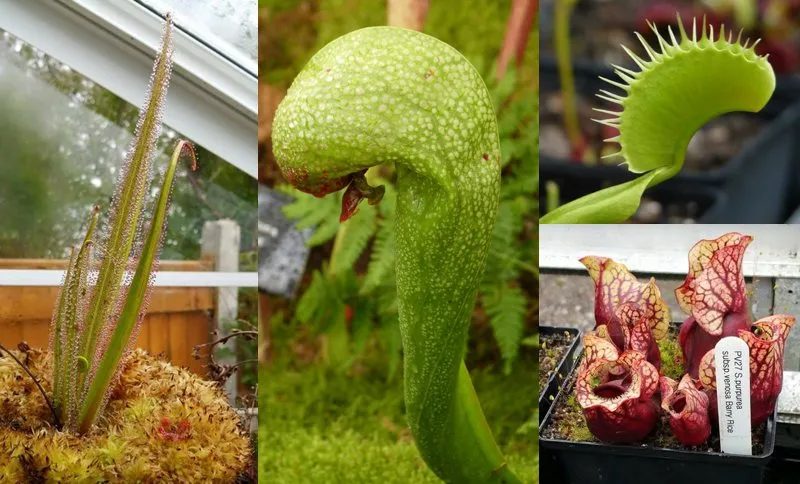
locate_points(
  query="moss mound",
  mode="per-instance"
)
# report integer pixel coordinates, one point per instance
(162, 424)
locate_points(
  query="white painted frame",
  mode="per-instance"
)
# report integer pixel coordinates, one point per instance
(663, 249)
(46, 277)
(212, 100)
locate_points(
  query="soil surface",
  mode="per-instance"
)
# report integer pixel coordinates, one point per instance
(652, 211)
(598, 28)
(552, 349)
(568, 423)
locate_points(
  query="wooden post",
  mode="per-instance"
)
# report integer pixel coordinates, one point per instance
(220, 244)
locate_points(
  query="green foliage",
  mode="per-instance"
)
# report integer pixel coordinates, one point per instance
(506, 306)
(37, 182)
(352, 238)
(62, 137)
(92, 326)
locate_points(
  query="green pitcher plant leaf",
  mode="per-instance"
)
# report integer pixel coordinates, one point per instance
(102, 302)
(678, 89)
(384, 94)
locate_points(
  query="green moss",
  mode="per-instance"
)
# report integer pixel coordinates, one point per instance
(671, 356)
(571, 424)
(323, 426)
(125, 446)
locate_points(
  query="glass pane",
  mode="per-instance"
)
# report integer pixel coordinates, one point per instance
(224, 24)
(62, 141)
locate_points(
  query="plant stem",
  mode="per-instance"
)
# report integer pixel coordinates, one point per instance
(56, 420)
(552, 196)
(564, 59)
(224, 339)
(518, 29)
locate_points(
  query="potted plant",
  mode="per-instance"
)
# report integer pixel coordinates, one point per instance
(91, 408)
(644, 394)
(763, 165)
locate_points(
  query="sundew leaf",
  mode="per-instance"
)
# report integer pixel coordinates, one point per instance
(124, 227)
(134, 308)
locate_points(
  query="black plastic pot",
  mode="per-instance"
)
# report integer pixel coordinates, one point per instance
(762, 182)
(565, 462)
(575, 181)
(548, 394)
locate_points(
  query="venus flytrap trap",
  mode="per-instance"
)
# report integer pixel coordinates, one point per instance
(686, 81)
(382, 95)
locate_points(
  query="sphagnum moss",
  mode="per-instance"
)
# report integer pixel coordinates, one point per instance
(130, 443)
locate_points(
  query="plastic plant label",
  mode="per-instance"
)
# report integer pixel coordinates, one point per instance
(732, 363)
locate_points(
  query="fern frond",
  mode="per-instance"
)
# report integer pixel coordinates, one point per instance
(309, 211)
(382, 259)
(522, 181)
(352, 239)
(506, 306)
(324, 232)
(317, 301)
(504, 253)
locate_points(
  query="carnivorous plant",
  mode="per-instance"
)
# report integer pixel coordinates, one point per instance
(381, 95)
(95, 319)
(686, 81)
(618, 381)
(117, 415)
(714, 295)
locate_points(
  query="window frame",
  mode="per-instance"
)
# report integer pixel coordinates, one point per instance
(212, 100)
(213, 97)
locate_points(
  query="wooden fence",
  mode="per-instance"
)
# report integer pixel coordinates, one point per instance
(178, 318)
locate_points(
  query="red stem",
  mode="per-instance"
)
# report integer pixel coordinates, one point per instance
(518, 30)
